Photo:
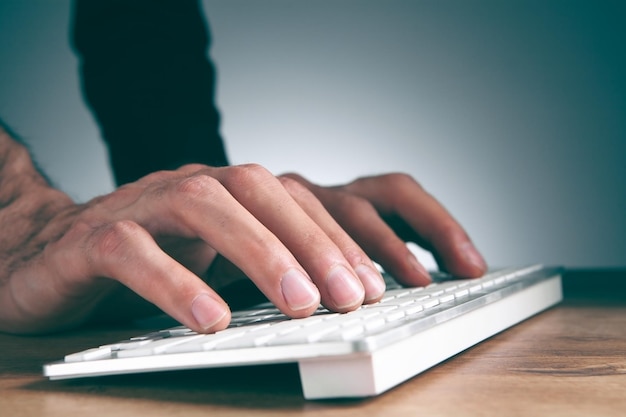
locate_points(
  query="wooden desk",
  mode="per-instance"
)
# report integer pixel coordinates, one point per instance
(569, 361)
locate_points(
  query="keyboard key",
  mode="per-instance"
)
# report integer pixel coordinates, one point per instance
(156, 347)
(89, 355)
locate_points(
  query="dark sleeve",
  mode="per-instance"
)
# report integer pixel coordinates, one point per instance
(146, 76)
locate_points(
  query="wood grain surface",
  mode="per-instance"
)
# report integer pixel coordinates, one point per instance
(568, 361)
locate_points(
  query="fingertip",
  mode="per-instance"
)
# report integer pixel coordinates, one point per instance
(407, 270)
(345, 290)
(463, 260)
(420, 276)
(373, 282)
(210, 314)
(299, 293)
(474, 263)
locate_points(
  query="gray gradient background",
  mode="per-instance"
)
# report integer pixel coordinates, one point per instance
(513, 114)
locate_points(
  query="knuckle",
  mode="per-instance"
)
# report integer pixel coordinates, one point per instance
(197, 186)
(102, 246)
(355, 255)
(111, 241)
(397, 187)
(295, 188)
(247, 175)
(401, 180)
(294, 176)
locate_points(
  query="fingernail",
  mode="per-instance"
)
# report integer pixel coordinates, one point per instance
(344, 288)
(420, 268)
(207, 311)
(298, 290)
(372, 281)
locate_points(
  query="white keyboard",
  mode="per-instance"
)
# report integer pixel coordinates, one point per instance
(356, 354)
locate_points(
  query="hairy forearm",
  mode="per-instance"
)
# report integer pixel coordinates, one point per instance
(27, 205)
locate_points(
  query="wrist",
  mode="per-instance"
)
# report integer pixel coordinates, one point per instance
(28, 203)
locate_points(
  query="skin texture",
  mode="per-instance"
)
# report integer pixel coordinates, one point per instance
(172, 239)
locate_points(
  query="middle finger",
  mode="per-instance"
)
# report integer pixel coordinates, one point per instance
(265, 197)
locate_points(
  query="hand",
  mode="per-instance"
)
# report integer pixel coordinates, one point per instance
(63, 264)
(383, 212)
(272, 229)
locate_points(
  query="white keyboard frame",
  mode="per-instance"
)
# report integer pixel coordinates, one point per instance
(371, 373)
(368, 366)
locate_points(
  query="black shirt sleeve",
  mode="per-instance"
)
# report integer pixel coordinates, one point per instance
(146, 76)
